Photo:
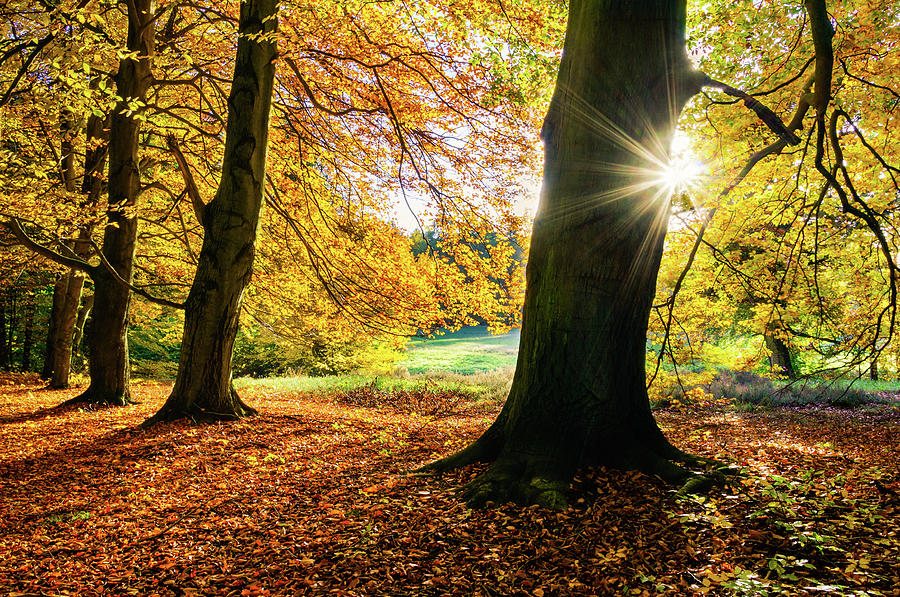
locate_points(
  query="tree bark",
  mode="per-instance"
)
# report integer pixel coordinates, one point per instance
(65, 327)
(4, 334)
(87, 303)
(578, 396)
(106, 335)
(780, 356)
(28, 334)
(203, 388)
(53, 323)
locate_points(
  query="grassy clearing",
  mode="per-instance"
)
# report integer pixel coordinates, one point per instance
(467, 351)
(490, 385)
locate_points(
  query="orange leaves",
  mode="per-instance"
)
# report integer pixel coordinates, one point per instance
(96, 505)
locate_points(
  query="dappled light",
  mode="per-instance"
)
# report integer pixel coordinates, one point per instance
(279, 315)
(313, 497)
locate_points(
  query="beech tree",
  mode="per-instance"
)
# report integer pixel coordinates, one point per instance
(106, 334)
(579, 397)
(203, 387)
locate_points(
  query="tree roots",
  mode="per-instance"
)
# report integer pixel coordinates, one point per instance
(527, 481)
(95, 398)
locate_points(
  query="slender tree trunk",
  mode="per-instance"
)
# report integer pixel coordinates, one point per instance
(107, 333)
(780, 356)
(53, 323)
(28, 334)
(65, 319)
(62, 352)
(578, 396)
(203, 387)
(87, 303)
(873, 369)
(4, 333)
(12, 323)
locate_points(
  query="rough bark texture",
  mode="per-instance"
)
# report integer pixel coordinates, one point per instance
(106, 334)
(780, 356)
(203, 388)
(578, 396)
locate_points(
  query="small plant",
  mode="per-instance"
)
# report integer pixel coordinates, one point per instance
(67, 517)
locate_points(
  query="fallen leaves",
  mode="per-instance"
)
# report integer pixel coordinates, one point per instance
(310, 497)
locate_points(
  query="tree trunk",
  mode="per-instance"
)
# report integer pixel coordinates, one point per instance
(84, 312)
(107, 334)
(12, 322)
(203, 387)
(578, 396)
(873, 368)
(59, 298)
(65, 324)
(4, 332)
(780, 356)
(28, 334)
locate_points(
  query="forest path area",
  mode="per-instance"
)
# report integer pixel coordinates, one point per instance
(310, 497)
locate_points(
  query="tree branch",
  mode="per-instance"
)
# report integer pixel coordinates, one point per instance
(189, 182)
(14, 225)
(139, 291)
(769, 118)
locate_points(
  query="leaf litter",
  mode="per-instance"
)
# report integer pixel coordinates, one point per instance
(312, 497)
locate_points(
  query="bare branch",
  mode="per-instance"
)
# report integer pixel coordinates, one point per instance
(189, 182)
(14, 225)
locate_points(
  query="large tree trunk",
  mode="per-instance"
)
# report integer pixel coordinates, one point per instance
(578, 396)
(106, 335)
(203, 387)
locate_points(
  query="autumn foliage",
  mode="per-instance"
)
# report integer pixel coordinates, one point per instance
(312, 497)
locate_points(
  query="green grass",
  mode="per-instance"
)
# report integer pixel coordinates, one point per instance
(491, 385)
(467, 351)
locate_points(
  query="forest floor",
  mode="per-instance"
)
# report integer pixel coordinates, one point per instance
(310, 497)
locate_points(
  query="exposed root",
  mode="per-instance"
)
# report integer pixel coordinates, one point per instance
(234, 410)
(472, 454)
(95, 398)
(688, 481)
(510, 483)
(484, 449)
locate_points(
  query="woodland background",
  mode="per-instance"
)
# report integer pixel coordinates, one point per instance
(403, 161)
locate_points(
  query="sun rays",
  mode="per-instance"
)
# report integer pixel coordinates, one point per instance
(648, 170)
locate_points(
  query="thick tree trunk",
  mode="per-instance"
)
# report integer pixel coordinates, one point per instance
(107, 334)
(578, 396)
(203, 388)
(780, 356)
